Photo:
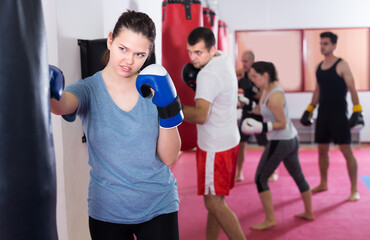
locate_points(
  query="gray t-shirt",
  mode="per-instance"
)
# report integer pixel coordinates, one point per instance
(289, 131)
(129, 184)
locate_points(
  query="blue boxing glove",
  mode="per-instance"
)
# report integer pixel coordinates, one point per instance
(165, 98)
(56, 82)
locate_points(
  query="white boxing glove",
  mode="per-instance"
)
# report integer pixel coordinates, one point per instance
(251, 126)
(242, 100)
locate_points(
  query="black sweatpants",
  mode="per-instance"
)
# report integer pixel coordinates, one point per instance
(162, 227)
(278, 151)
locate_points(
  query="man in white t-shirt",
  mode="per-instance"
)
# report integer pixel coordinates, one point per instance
(217, 130)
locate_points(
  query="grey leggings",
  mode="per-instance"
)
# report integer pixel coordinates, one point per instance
(278, 151)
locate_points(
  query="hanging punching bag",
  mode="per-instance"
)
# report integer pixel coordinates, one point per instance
(179, 18)
(223, 37)
(27, 163)
(210, 20)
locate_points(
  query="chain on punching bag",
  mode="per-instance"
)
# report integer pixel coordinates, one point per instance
(179, 18)
(27, 163)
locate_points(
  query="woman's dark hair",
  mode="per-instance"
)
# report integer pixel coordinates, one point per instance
(202, 33)
(266, 67)
(137, 22)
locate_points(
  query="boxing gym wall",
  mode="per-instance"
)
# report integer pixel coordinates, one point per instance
(179, 18)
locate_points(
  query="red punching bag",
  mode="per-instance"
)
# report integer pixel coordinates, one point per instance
(179, 18)
(210, 20)
(223, 37)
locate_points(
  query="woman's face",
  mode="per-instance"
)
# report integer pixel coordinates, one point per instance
(128, 52)
(258, 79)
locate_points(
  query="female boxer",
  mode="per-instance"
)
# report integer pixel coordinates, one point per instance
(282, 143)
(132, 190)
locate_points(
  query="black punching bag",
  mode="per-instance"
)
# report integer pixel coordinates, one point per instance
(27, 162)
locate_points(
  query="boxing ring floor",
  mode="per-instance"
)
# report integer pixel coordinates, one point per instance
(335, 217)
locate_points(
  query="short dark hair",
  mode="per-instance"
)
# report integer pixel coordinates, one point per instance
(202, 33)
(266, 67)
(333, 37)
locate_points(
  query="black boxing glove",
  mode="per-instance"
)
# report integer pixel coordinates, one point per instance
(306, 119)
(189, 75)
(356, 122)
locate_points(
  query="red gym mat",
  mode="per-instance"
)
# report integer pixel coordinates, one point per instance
(335, 217)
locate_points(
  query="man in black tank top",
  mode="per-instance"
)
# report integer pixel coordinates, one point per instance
(334, 79)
